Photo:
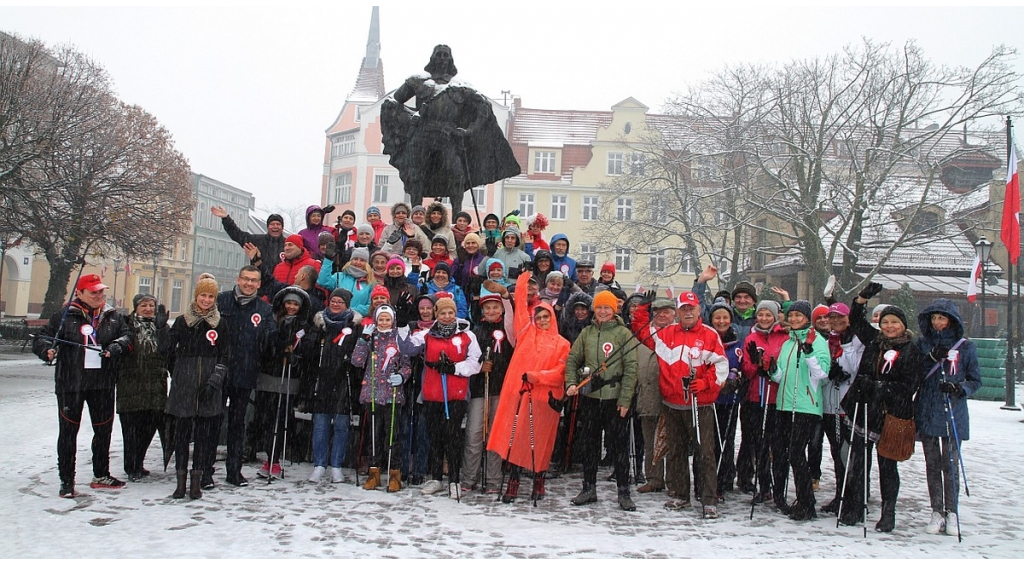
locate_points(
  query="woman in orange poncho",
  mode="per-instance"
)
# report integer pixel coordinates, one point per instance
(537, 368)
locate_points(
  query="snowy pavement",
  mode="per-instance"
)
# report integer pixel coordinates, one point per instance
(296, 519)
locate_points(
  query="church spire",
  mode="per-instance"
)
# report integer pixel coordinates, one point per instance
(370, 82)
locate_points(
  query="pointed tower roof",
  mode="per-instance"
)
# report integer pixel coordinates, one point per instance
(370, 83)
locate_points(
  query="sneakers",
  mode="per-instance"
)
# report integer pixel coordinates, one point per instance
(937, 525)
(268, 470)
(454, 490)
(206, 482)
(67, 490)
(431, 487)
(106, 483)
(337, 476)
(649, 487)
(710, 512)
(677, 504)
(587, 495)
(317, 475)
(237, 480)
(952, 524)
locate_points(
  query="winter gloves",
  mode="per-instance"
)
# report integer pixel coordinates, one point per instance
(939, 353)
(444, 365)
(952, 388)
(870, 290)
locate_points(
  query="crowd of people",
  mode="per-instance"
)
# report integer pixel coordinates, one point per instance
(423, 350)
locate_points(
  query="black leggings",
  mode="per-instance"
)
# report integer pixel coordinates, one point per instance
(447, 439)
(101, 414)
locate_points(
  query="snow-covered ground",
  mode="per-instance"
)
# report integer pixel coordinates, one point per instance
(295, 519)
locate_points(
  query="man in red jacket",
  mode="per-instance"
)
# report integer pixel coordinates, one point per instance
(692, 365)
(295, 257)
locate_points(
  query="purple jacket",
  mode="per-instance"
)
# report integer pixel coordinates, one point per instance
(311, 234)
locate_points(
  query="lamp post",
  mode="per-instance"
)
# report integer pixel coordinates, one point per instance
(117, 266)
(983, 248)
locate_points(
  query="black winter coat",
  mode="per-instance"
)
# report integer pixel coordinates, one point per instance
(328, 378)
(142, 373)
(271, 248)
(108, 327)
(485, 336)
(194, 353)
(251, 329)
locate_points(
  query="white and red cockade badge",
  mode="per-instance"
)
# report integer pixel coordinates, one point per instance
(256, 318)
(389, 353)
(607, 348)
(457, 341)
(499, 336)
(954, 361)
(298, 337)
(86, 330)
(211, 336)
(564, 269)
(341, 336)
(890, 359)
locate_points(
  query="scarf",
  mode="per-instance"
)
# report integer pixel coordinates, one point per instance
(354, 272)
(144, 329)
(336, 321)
(193, 316)
(444, 331)
(242, 299)
(884, 364)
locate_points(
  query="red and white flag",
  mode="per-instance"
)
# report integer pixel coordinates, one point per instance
(670, 292)
(103, 271)
(1009, 231)
(639, 289)
(972, 284)
(128, 269)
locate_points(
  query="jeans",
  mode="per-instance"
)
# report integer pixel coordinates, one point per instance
(323, 423)
(942, 474)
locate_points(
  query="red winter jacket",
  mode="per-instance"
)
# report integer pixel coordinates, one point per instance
(286, 270)
(771, 342)
(461, 348)
(678, 349)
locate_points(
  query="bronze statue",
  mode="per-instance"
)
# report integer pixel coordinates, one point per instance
(450, 142)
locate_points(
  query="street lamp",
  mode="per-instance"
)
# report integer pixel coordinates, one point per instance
(983, 247)
(117, 265)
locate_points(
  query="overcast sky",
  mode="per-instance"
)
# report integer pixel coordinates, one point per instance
(248, 91)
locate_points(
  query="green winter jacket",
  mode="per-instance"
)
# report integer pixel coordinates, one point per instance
(590, 348)
(799, 380)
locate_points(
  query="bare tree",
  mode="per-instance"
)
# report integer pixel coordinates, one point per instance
(112, 182)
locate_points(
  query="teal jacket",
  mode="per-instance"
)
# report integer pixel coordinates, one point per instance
(800, 375)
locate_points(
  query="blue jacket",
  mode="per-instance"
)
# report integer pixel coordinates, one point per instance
(733, 352)
(930, 406)
(329, 280)
(462, 311)
(251, 328)
(564, 264)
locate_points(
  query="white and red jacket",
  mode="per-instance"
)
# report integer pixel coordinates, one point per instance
(462, 348)
(771, 343)
(681, 351)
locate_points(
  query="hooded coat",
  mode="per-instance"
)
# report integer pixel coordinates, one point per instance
(311, 234)
(328, 377)
(393, 237)
(929, 413)
(563, 263)
(541, 357)
(291, 332)
(512, 258)
(570, 327)
(443, 227)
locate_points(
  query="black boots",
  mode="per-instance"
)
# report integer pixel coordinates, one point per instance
(195, 490)
(179, 492)
(511, 491)
(587, 495)
(888, 521)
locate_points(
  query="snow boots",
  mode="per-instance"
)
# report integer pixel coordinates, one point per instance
(538, 488)
(179, 492)
(394, 481)
(511, 491)
(587, 495)
(373, 480)
(625, 501)
(195, 490)
(888, 521)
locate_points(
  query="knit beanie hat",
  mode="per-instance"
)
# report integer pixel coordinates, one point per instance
(274, 217)
(364, 228)
(878, 309)
(380, 290)
(720, 305)
(606, 298)
(324, 237)
(445, 303)
(206, 284)
(553, 275)
(608, 267)
(420, 209)
(139, 298)
(343, 294)
(360, 252)
(802, 306)
(291, 296)
(395, 261)
(294, 239)
(745, 288)
(384, 308)
(770, 305)
(495, 264)
(349, 213)
(897, 311)
(429, 297)
(469, 219)
(486, 296)
(472, 237)
(819, 311)
(372, 209)
(441, 265)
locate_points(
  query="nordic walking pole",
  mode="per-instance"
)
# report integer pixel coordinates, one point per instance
(764, 443)
(533, 453)
(55, 340)
(694, 355)
(277, 421)
(866, 453)
(373, 398)
(391, 433)
(953, 441)
(287, 416)
(487, 405)
(511, 438)
(846, 467)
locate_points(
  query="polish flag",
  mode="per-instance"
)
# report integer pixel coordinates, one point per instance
(1009, 231)
(639, 289)
(972, 284)
(103, 271)
(670, 292)
(127, 269)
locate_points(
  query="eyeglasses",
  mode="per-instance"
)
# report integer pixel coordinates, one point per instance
(249, 280)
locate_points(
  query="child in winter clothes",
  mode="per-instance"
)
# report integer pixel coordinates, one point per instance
(802, 365)
(328, 380)
(451, 355)
(386, 369)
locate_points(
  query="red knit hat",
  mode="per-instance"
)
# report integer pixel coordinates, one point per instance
(380, 290)
(294, 239)
(819, 311)
(608, 267)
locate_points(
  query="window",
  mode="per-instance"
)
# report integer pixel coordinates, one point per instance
(692, 216)
(380, 188)
(590, 208)
(343, 145)
(480, 193)
(199, 252)
(924, 222)
(544, 161)
(687, 264)
(622, 262)
(526, 205)
(176, 287)
(721, 217)
(159, 290)
(614, 164)
(184, 250)
(638, 163)
(657, 260)
(624, 209)
(342, 188)
(706, 168)
(658, 210)
(588, 253)
(145, 285)
(559, 206)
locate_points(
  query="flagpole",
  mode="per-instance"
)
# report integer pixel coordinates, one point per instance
(1011, 337)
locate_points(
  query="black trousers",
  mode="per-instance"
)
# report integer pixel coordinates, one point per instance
(602, 416)
(796, 430)
(137, 431)
(101, 414)
(725, 433)
(385, 438)
(888, 478)
(236, 404)
(814, 451)
(272, 411)
(832, 428)
(447, 439)
(750, 425)
(185, 429)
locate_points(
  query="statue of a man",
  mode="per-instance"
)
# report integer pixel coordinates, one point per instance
(450, 141)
